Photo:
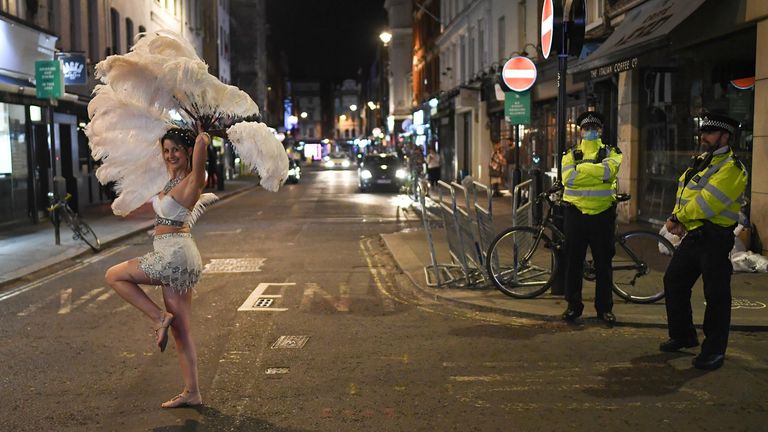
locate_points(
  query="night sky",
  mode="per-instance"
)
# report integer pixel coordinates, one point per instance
(327, 40)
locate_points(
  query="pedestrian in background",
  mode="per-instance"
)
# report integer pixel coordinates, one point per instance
(706, 213)
(496, 169)
(433, 167)
(589, 179)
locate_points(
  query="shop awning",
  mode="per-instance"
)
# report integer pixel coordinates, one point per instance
(644, 28)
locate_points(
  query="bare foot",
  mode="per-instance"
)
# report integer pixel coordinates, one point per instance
(162, 331)
(185, 399)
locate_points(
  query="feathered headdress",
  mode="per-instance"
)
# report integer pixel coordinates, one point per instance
(159, 84)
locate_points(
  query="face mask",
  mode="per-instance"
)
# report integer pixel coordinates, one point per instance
(591, 135)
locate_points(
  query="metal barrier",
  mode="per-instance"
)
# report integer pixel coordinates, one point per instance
(484, 218)
(437, 275)
(522, 206)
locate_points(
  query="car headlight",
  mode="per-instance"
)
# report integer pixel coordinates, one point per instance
(365, 174)
(329, 164)
(401, 173)
(291, 172)
(345, 164)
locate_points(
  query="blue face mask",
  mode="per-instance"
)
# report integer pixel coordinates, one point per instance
(591, 135)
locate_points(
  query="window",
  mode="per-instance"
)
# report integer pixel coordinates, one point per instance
(471, 55)
(522, 34)
(74, 26)
(129, 33)
(93, 31)
(594, 13)
(481, 44)
(463, 59)
(115, 21)
(14, 166)
(142, 29)
(502, 32)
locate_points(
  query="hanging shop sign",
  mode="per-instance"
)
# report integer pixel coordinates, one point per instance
(73, 64)
(49, 79)
(517, 107)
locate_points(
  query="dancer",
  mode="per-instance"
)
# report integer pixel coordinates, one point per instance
(175, 262)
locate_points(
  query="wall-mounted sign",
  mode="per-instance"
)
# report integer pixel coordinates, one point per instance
(49, 79)
(621, 66)
(73, 64)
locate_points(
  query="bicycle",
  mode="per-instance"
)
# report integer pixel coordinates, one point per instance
(60, 210)
(522, 261)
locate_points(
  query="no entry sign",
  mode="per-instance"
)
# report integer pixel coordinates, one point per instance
(547, 27)
(519, 73)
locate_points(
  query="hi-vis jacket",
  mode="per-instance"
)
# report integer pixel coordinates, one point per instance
(712, 193)
(590, 184)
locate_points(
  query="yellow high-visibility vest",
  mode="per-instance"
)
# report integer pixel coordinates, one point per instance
(591, 185)
(712, 193)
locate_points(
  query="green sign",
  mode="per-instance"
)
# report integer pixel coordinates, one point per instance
(517, 107)
(49, 79)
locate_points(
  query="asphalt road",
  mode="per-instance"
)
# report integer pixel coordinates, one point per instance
(363, 350)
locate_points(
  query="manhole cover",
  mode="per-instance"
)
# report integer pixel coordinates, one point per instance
(290, 342)
(276, 371)
(234, 265)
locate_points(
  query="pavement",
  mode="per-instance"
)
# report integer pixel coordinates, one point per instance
(410, 250)
(28, 248)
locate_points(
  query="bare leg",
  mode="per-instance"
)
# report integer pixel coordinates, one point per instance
(125, 278)
(180, 305)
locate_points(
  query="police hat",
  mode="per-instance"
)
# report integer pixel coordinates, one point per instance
(590, 118)
(718, 122)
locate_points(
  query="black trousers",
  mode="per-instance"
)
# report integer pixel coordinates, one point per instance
(597, 232)
(704, 252)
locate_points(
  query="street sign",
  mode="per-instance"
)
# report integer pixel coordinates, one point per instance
(547, 27)
(49, 80)
(74, 67)
(517, 107)
(519, 73)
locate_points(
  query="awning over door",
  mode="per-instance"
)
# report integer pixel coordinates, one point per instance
(644, 28)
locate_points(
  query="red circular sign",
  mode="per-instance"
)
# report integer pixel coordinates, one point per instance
(519, 73)
(547, 27)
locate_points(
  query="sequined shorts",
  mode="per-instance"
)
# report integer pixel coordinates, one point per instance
(175, 261)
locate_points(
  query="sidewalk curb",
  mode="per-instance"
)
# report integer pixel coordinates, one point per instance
(533, 315)
(107, 244)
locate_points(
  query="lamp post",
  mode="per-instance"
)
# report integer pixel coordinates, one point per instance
(386, 38)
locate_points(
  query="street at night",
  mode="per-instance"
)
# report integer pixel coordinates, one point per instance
(370, 351)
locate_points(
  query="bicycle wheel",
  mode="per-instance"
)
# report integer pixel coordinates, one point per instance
(641, 259)
(521, 262)
(84, 232)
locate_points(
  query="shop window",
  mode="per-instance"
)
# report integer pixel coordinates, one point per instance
(14, 169)
(129, 32)
(502, 39)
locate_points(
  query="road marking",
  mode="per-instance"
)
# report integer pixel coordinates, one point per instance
(101, 298)
(234, 265)
(237, 231)
(34, 307)
(66, 308)
(65, 301)
(250, 303)
(313, 290)
(386, 298)
(32, 285)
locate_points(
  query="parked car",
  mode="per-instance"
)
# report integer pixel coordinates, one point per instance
(294, 172)
(337, 161)
(384, 170)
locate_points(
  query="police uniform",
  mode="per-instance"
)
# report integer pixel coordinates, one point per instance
(589, 179)
(708, 207)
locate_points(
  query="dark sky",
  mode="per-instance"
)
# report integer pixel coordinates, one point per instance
(326, 39)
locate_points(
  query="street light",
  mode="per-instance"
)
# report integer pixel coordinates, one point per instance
(385, 37)
(371, 105)
(353, 107)
(343, 117)
(304, 114)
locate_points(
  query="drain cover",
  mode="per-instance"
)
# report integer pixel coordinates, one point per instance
(234, 265)
(290, 342)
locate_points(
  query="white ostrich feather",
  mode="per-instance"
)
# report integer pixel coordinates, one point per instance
(133, 108)
(202, 204)
(259, 148)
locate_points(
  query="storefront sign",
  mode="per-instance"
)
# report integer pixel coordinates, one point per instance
(49, 79)
(614, 68)
(517, 107)
(74, 67)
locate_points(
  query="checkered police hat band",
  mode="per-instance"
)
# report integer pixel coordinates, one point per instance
(590, 119)
(708, 123)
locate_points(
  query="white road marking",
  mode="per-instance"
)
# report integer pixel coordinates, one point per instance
(65, 301)
(237, 231)
(250, 302)
(313, 290)
(32, 285)
(34, 307)
(234, 265)
(89, 295)
(386, 298)
(101, 298)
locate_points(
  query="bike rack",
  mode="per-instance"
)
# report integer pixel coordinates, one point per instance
(432, 272)
(484, 219)
(522, 204)
(469, 236)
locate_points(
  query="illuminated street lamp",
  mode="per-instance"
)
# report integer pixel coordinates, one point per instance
(304, 114)
(353, 107)
(343, 117)
(293, 120)
(385, 37)
(371, 105)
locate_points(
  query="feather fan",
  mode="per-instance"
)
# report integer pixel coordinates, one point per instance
(144, 93)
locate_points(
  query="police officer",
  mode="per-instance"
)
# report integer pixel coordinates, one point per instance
(706, 212)
(589, 180)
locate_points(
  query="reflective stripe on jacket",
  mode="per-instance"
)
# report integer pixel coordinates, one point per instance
(591, 185)
(712, 194)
